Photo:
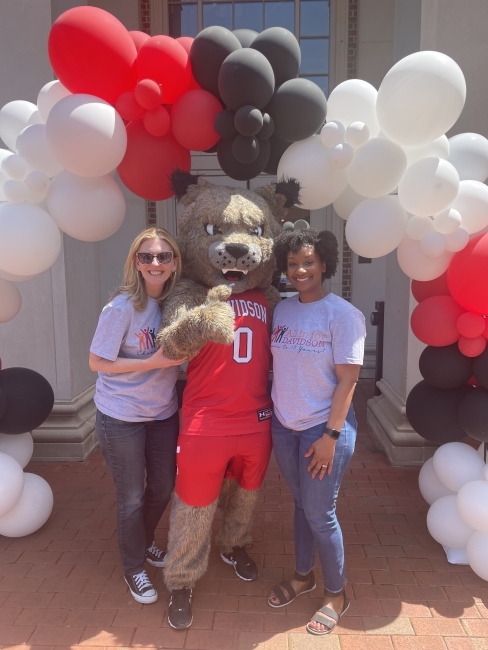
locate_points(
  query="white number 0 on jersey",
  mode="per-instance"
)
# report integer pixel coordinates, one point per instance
(243, 342)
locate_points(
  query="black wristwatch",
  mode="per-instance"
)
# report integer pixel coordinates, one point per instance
(333, 433)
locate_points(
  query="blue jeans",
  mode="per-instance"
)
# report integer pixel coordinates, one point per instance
(315, 524)
(142, 457)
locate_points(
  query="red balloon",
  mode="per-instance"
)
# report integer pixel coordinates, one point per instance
(471, 325)
(92, 52)
(149, 161)
(467, 275)
(165, 60)
(186, 41)
(192, 120)
(148, 94)
(157, 121)
(433, 321)
(128, 108)
(472, 347)
(473, 381)
(438, 287)
(139, 38)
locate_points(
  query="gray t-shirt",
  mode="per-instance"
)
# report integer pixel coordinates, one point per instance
(132, 396)
(307, 340)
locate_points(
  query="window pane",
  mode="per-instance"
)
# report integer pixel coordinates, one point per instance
(280, 14)
(183, 20)
(314, 18)
(322, 81)
(217, 13)
(315, 55)
(248, 15)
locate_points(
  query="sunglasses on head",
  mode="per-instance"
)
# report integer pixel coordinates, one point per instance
(162, 258)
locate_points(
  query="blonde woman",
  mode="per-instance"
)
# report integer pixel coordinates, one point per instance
(137, 409)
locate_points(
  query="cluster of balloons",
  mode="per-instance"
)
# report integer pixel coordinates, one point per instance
(455, 485)
(26, 500)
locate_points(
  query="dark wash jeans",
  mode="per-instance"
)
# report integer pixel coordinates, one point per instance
(142, 457)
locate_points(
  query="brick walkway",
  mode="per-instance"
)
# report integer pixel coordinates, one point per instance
(62, 587)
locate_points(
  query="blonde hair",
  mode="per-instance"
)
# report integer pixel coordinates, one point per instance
(133, 284)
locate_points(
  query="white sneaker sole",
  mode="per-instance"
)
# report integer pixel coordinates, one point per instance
(237, 574)
(144, 600)
(160, 564)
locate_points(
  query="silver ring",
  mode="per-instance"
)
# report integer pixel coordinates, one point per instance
(324, 465)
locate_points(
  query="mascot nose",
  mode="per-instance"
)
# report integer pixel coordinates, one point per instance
(237, 250)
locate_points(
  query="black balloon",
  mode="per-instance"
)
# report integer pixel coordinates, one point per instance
(267, 129)
(445, 367)
(480, 368)
(432, 412)
(208, 51)
(248, 120)
(30, 399)
(212, 149)
(298, 109)
(224, 125)
(473, 414)
(3, 403)
(278, 148)
(245, 36)
(242, 171)
(244, 149)
(246, 77)
(282, 50)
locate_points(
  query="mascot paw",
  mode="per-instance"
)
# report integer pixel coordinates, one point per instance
(219, 322)
(219, 293)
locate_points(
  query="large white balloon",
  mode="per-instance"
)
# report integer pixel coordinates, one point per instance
(376, 226)
(420, 98)
(446, 525)
(477, 552)
(351, 101)
(438, 149)
(418, 266)
(11, 483)
(86, 135)
(49, 95)
(428, 186)
(457, 464)
(472, 203)
(31, 511)
(377, 168)
(429, 485)
(29, 230)
(309, 162)
(89, 209)
(33, 146)
(3, 154)
(14, 117)
(472, 503)
(469, 155)
(20, 447)
(346, 202)
(10, 301)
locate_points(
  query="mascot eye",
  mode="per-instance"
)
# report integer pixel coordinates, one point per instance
(212, 230)
(257, 231)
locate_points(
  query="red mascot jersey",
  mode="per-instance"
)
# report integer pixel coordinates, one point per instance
(227, 385)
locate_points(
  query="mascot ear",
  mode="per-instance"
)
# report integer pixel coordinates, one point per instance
(281, 196)
(187, 186)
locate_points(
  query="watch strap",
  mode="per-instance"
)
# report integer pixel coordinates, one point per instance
(333, 433)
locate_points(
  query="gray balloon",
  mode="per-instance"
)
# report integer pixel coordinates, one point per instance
(208, 51)
(242, 171)
(267, 129)
(248, 120)
(245, 150)
(224, 124)
(278, 148)
(246, 77)
(245, 36)
(282, 50)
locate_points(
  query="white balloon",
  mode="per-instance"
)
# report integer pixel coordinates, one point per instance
(457, 240)
(87, 135)
(485, 469)
(354, 100)
(14, 191)
(31, 511)
(14, 167)
(301, 224)
(49, 95)
(357, 134)
(14, 117)
(457, 464)
(10, 301)
(428, 186)
(418, 227)
(439, 148)
(446, 525)
(30, 229)
(89, 209)
(331, 134)
(429, 485)
(376, 226)
(346, 202)
(472, 503)
(11, 483)
(3, 154)
(477, 552)
(377, 168)
(472, 202)
(420, 98)
(341, 155)
(33, 146)
(37, 184)
(20, 447)
(469, 155)
(433, 244)
(418, 266)
(447, 221)
(309, 162)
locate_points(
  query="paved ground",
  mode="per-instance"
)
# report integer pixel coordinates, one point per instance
(62, 587)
